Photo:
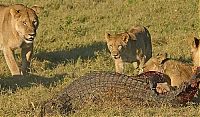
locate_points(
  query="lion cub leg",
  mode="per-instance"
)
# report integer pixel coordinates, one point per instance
(10, 60)
(140, 61)
(26, 59)
(141, 64)
(135, 68)
(119, 67)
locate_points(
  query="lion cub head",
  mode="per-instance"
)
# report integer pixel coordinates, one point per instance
(117, 44)
(25, 21)
(195, 52)
(155, 63)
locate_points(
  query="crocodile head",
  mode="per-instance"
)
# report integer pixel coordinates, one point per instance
(60, 105)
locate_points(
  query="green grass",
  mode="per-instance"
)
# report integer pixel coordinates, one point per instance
(70, 42)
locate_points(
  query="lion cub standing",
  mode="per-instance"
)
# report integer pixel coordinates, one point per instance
(18, 25)
(132, 46)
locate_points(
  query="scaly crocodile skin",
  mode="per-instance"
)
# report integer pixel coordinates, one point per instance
(110, 86)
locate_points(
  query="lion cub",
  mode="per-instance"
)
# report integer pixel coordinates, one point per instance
(177, 71)
(18, 25)
(132, 46)
(195, 52)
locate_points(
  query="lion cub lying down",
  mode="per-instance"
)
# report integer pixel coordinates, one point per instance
(132, 46)
(177, 71)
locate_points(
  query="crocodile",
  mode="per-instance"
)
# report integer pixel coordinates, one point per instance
(100, 86)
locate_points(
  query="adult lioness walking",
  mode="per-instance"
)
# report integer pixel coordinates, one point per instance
(132, 46)
(18, 25)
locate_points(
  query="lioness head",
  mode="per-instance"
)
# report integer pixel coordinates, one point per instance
(195, 52)
(116, 43)
(25, 22)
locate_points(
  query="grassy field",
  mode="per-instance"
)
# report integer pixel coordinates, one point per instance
(70, 42)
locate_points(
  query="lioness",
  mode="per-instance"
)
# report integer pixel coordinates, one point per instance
(132, 46)
(177, 71)
(18, 25)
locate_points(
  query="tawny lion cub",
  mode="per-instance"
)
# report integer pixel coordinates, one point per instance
(177, 71)
(195, 52)
(132, 46)
(18, 25)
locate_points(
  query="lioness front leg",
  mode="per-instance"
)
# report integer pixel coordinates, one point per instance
(10, 60)
(119, 67)
(26, 59)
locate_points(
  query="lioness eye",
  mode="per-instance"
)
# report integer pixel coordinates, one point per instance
(110, 46)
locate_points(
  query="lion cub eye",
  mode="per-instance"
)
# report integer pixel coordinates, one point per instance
(110, 46)
(18, 11)
(35, 23)
(120, 47)
(24, 23)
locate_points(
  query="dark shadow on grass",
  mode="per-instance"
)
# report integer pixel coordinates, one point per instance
(12, 83)
(85, 52)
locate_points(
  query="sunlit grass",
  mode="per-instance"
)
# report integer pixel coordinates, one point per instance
(70, 42)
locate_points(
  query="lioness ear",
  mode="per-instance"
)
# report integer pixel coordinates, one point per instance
(37, 9)
(107, 36)
(125, 37)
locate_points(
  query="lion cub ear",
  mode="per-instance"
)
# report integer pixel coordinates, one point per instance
(107, 36)
(125, 37)
(195, 43)
(14, 12)
(37, 9)
(161, 57)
